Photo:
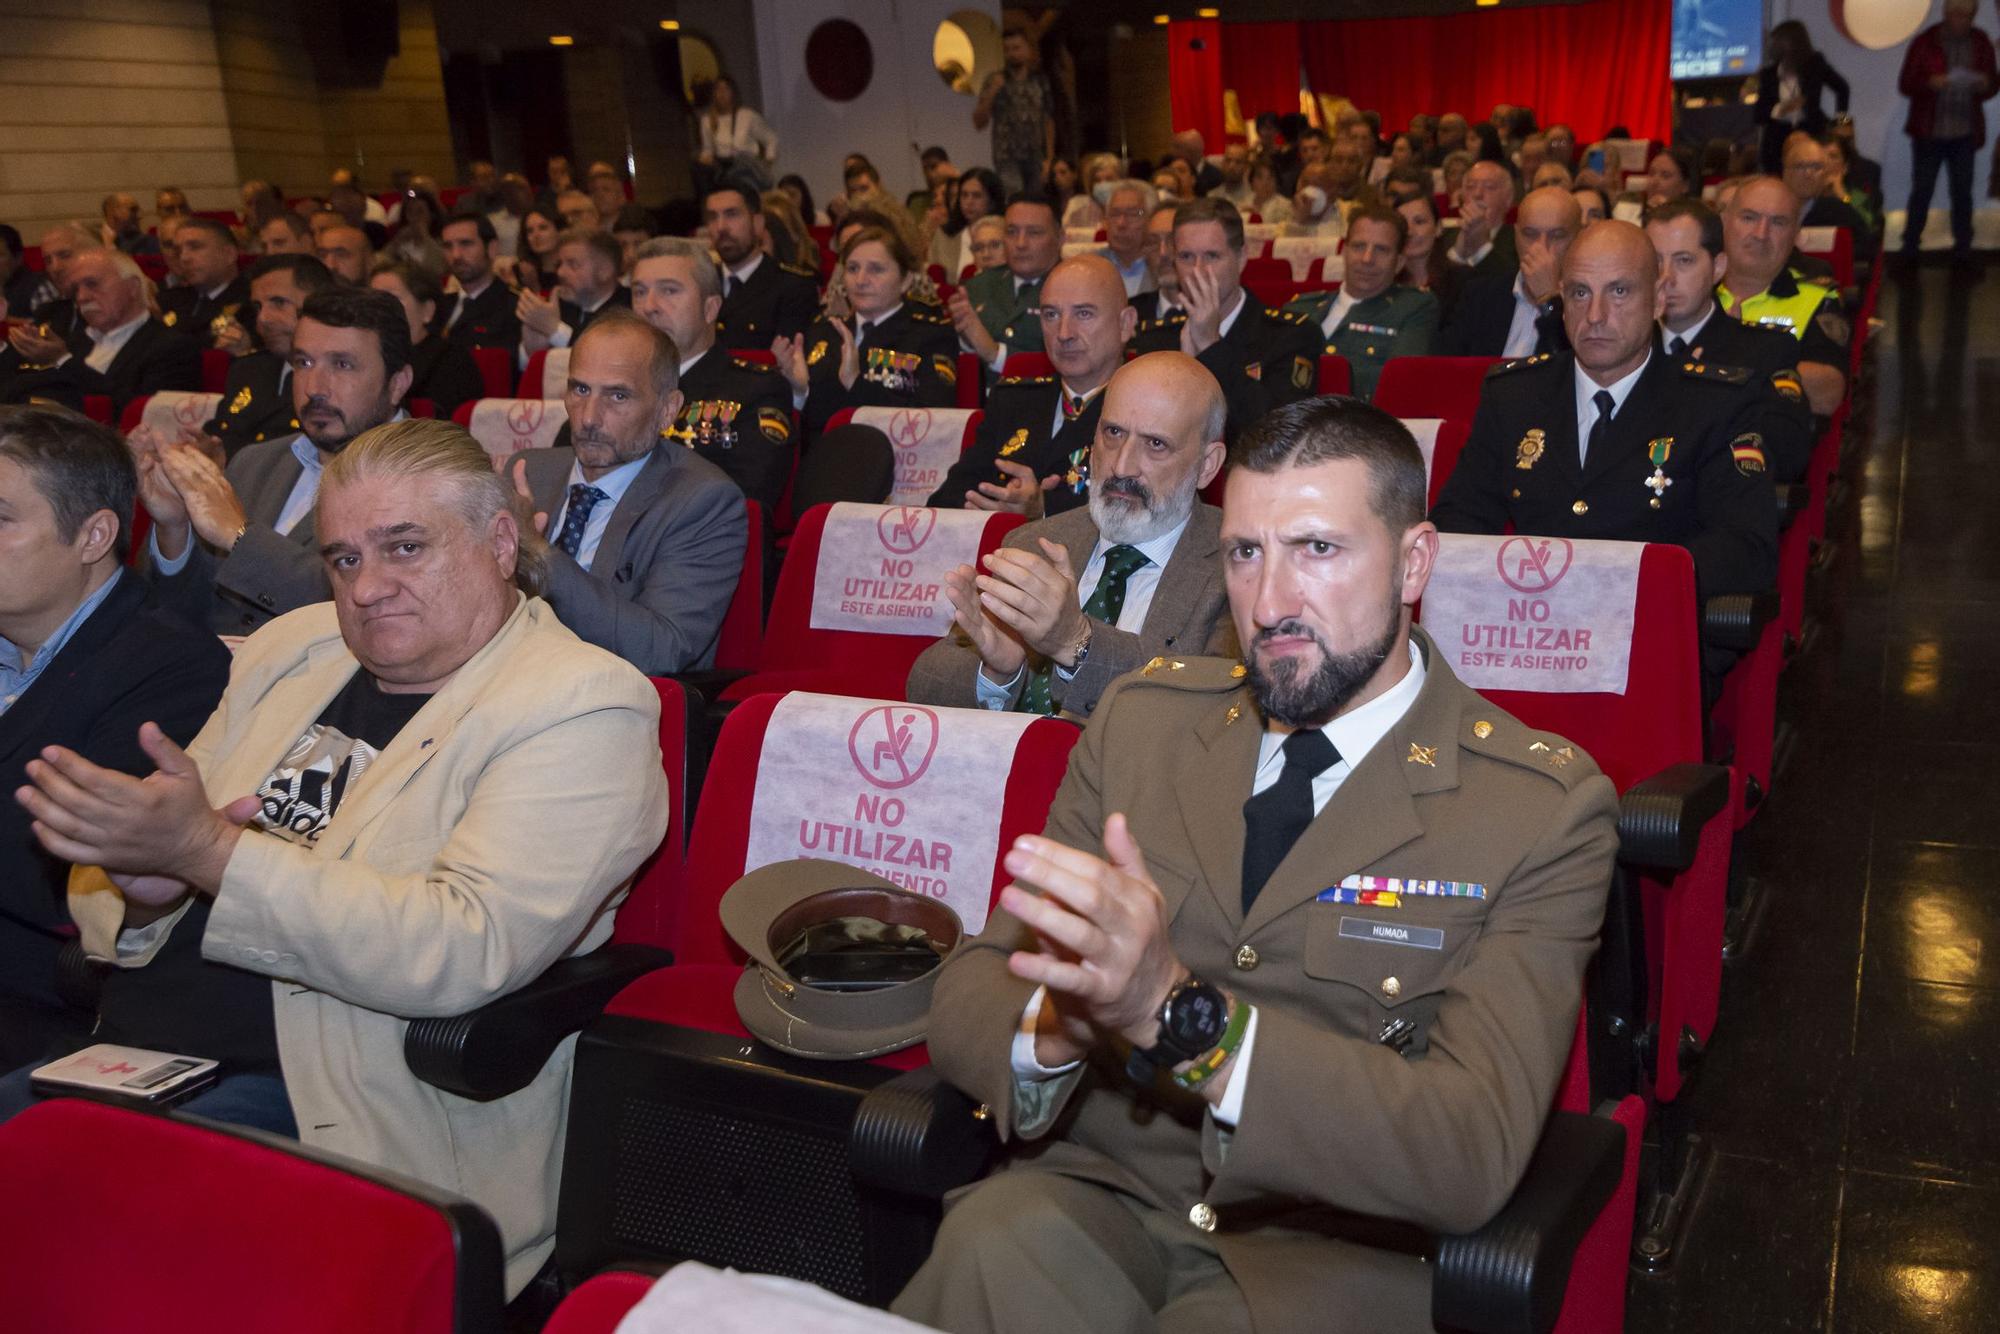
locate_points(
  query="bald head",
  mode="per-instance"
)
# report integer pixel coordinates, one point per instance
(1086, 320)
(1159, 441)
(1611, 297)
(1548, 219)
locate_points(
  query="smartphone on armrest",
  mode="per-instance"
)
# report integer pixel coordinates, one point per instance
(130, 1075)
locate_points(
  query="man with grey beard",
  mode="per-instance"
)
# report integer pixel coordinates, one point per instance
(1070, 602)
(1292, 972)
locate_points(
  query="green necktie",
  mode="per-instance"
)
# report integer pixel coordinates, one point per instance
(1106, 601)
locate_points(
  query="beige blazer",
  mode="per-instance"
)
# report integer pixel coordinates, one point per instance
(493, 837)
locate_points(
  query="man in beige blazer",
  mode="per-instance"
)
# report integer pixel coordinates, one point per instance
(1073, 601)
(1240, 1076)
(375, 875)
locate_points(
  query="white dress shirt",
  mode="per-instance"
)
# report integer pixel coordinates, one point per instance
(614, 485)
(106, 346)
(1521, 334)
(743, 272)
(1140, 586)
(1692, 334)
(1336, 314)
(564, 335)
(1586, 406)
(1353, 735)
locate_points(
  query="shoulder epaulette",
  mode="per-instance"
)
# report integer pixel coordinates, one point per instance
(1208, 675)
(1285, 316)
(1505, 738)
(1520, 363)
(1715, 370)
(799, 269)
(760, 367)
(1023, 381)
(925, 315)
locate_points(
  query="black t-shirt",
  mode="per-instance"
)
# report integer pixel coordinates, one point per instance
(183, 1003)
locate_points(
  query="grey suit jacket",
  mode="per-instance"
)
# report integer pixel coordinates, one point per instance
(661, 578)
(1189, 614)
(267, 573)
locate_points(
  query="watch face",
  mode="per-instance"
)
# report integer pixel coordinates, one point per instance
(1195, 1019)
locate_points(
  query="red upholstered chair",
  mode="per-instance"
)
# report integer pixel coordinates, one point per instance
(496, 371)
(214, 370)
(1028, 364)
(834, 662)
(1445, 387)
(226, 1229)
(740, 646)
(971, 392)
(1451, 440)
(599, 1304)
(1335, 375)
(97, 407)
(530, 383)
(688, 1139)
(651, 909)
(135, 411)
(1271, 281)
(1839, 254)
(421, 407)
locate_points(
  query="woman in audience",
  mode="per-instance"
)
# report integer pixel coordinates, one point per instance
(1454, 167)
(1100, 172)
(535, 262)
(734, 138)
(1789, 92)
(1594, 202)
(989, 242)
(1065, 184)
(911, 356)
(1859, 198)
(1487, 145)
(1423, 261)
(1671, 175)
(786, 235)
(440, 369)
(416, 240)
(802, 198)
(1265, 201)
(979, 193)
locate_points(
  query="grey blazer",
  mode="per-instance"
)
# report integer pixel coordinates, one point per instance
(1189, 614)
(661, 578)
(267, 573)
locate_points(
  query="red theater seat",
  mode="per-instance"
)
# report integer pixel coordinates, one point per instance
(496, 371)
(1028, 365)
(599, 1304)
(1446, 387)
(1335, 375)
(226, 1229)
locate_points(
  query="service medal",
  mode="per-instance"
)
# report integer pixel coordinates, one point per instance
(727, 412)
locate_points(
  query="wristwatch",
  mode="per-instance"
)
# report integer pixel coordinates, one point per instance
(1192, 1021)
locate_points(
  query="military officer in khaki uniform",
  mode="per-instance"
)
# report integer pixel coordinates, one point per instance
(1372, 318)
(1231, 1060)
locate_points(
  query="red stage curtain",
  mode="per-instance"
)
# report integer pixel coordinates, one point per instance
(1261, 62)
(1590, 66)
(1194, 78)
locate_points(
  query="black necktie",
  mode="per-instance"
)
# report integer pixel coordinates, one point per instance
(730, 282)
(861, 328)
(1677, 348)
(1601, 428)
(1275, 817)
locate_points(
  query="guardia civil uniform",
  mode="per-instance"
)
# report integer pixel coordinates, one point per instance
(1400, 322)
(775, 301)
(1407, 1045)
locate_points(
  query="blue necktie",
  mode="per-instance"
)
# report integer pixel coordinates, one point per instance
(583, 499)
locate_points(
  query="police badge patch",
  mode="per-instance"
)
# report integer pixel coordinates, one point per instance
(1529, 452)
(818, 353)
(1748, 451)
(1015, 444)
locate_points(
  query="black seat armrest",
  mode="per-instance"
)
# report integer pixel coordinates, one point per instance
(1792, 502)
(1660, 818)
(1734, 620)
(500, 1047)
(79, 978)
(707, 684)
(917, 1135)
(1510, 1276)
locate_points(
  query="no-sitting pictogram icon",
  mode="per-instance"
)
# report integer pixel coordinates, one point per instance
(904, 528)
(891, 746)
(908, 427)
(1537, 564)
(193, 410)
(525, 415)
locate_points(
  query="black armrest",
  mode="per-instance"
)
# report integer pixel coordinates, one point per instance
(498, 1048)
(1735, 620)
(79, 981)
(1510, 1276)
(1660, 819)
(708, 684)
(1792, 502)
(917, 1135)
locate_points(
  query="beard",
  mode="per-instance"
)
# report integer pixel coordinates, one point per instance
(1298, 696)
(1128, 511)
(336, 435)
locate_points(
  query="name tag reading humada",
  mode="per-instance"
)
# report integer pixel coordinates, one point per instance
(1542, 614)
(906, 792)
(881, 568)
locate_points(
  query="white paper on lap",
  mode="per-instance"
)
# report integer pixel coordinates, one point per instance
(1543, 614)
(1425, 429)
(1817, 240)
(555, 373)
(173, 414)
(692, 1296)
(909, 793)
(881, 567)
(506, 426)
(927, 442)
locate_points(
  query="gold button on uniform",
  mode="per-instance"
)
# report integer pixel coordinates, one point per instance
(1581, 507)
(1246, 957)
(1482, 729)
(1392, 987)
(1203, 1217)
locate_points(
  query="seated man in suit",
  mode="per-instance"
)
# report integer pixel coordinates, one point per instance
(128, 352)
(1078, 599)
(1618, 441)
(587, 263)
(1483, 244)
(346, 251)
(233, 549)
(1164, 298)
(646, 537)
(1032, 453)
(1687, 236)
(360, 837)
(212, 287)
(257, 397)
(52, 305)
(762, 298)
(85, 657)
(1263, 358)
(1372, 319)
(1226, 1090)
(1517, 313)
(482, 314)
(1806, 177)
(997, 312)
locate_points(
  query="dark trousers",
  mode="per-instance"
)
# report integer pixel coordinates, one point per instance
(1955, 155)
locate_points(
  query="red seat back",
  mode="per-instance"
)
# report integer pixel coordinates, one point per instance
(1451, 439)
(599, 1303)
(970, 391)
(530, 384)
(1335, 375)
(722, 822)
(648, 914)
(1445, 387)
(496, 371)
(740, 646)
(1270, 281)
(224, 1228)
(214, 370)
(1841, 256)
(1028, 364)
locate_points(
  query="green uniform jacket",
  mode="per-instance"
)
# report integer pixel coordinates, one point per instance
(1008, 315)
(1401, 322)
